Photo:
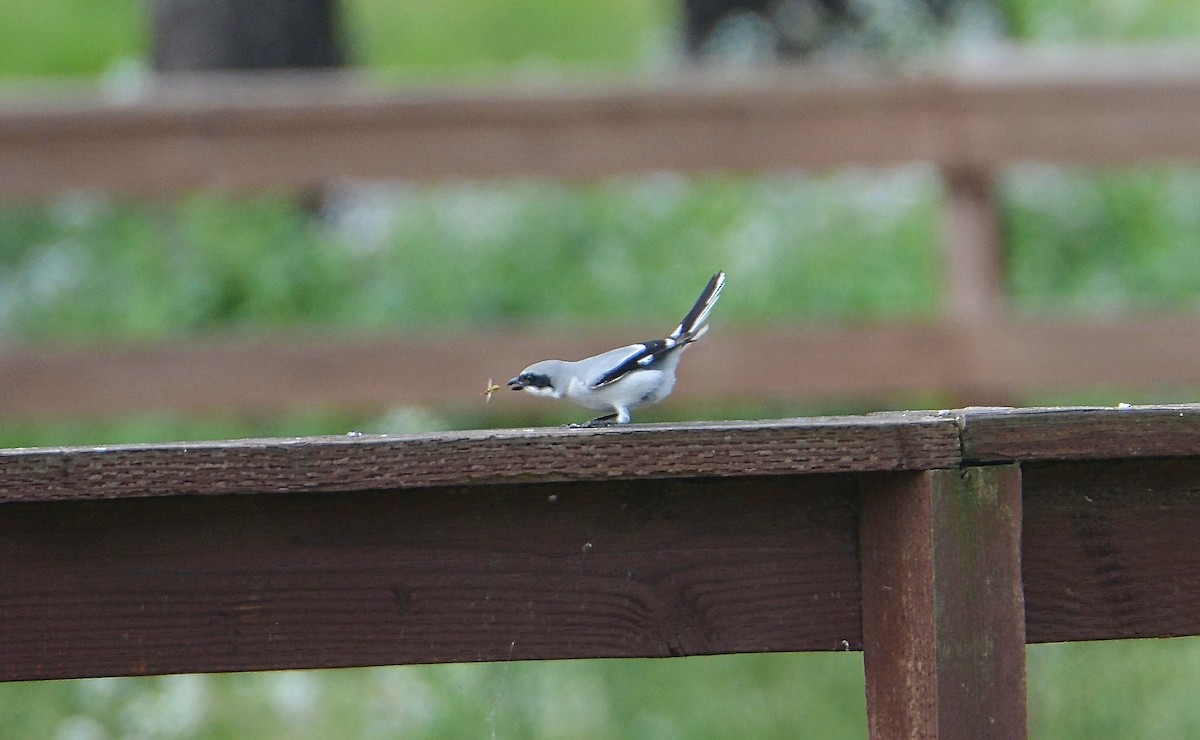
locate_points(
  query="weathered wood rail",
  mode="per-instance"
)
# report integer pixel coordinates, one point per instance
(969, 118)
(939, 543)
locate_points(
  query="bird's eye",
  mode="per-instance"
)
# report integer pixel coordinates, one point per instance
(535, 380)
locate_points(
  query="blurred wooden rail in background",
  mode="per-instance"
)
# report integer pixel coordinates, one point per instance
(939, 543)
(266, 130)
(864, 364)
(972, 119)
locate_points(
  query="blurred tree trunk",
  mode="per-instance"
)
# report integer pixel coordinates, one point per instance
(244, 34)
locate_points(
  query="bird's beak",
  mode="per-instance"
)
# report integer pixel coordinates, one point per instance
(516, 384)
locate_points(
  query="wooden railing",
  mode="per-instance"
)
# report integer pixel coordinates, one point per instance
(939, 543)
(968, 118)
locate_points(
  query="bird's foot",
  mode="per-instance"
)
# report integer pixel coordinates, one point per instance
(600, 421)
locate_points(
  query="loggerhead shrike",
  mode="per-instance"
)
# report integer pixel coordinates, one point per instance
(625, 378)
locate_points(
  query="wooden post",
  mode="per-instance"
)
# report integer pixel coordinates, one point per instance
(972, 247)
(943, 606)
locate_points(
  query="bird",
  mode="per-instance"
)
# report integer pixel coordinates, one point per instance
(625, 378)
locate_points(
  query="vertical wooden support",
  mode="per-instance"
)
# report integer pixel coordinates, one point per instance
(943, 606)
(972, 247)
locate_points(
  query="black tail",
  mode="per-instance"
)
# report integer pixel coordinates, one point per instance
(692, 325)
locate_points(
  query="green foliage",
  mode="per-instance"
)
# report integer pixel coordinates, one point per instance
(844, 246)
(141, 271)
(70, 37)
(1121, 689)
(1104, 241)
(626, 249)
(622, 250)
(809, 695)
(470, 36)
(1064, 20)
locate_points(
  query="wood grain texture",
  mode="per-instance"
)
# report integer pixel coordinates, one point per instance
(943, 612)
(1095, 433)
(899, 621)
(899, 441)
(233, 583)
(973, 363)
(980, 603)
(1111, 549)
(644, 540)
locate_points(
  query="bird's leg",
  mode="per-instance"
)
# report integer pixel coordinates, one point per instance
(600, 421)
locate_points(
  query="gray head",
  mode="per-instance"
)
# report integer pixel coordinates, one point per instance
(541, 379)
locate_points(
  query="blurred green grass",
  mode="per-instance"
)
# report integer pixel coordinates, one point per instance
(848, 244)
(1125, 689)
(817, 695)
(70, 37)
(840, 246)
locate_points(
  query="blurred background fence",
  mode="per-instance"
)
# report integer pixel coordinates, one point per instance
(305, 132)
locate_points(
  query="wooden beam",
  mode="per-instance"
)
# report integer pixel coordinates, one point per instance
(264, 131)
(1111, 515)
(257, 375)
(267, 131)
(1111, 550)
(1085, 433)
(882, 442)
(509, 572)
(1049, 105)
(647, 540)
(943, 610)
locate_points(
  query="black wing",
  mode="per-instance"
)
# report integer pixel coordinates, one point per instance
(643, 356)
